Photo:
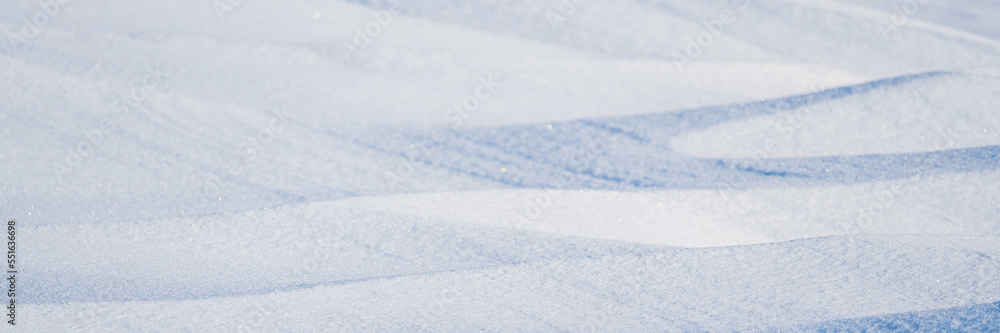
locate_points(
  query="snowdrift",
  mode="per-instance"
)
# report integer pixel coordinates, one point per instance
(502, 165)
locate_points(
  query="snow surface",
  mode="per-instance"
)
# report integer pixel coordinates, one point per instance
(807, 172)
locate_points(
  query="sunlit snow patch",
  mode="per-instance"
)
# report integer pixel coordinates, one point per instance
(936, 113)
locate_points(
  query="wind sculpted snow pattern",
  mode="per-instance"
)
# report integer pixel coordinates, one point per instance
(502, 165)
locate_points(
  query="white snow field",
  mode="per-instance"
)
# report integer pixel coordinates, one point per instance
(502, 165)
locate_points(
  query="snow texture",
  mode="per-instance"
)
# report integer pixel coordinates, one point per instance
(502, 165)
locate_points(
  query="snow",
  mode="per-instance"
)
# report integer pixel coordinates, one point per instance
(478, 167)
(957, 111)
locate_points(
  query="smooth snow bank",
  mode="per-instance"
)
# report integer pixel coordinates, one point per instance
(276, 249)
(225, 77)
(957, 111)
(710, 289)
(361, 238)
(298, 60)
(972, 318)
(958, 204)
(971, 16)
(562, 202)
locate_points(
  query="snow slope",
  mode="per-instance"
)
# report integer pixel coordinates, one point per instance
(478, 166)
(731, 288)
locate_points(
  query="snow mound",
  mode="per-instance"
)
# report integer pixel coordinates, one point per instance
(730, 288)
(955, 111)
(486, 165)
